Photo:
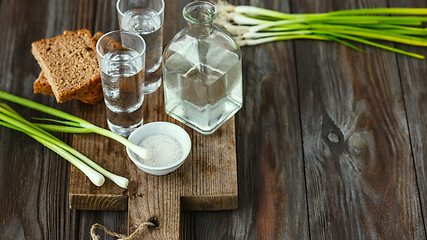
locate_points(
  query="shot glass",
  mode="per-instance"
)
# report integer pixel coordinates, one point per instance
(121, 58)
(145, 17)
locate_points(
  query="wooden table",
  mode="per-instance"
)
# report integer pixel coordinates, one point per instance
(331, 143)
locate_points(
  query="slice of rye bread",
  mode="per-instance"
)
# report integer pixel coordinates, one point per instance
(69, 64)
(93, 96)
(41, 85)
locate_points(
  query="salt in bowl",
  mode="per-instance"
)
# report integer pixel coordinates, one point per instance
(165, 128)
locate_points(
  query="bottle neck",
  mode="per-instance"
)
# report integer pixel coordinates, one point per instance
(200, 30)
(200, 17)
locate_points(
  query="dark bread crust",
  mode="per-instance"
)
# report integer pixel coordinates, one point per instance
(41, 85)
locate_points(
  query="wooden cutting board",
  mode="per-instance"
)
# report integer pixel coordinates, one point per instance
(206, 181)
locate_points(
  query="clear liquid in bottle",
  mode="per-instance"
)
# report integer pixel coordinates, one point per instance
(202, 72)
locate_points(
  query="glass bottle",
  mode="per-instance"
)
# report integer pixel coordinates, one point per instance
(202, 72)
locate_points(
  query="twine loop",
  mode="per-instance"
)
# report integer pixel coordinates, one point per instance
(117, 235)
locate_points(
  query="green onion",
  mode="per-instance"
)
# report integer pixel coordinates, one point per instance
(266, 37)
(256, 11)
(76, 122)
(9, 118)
(252, 25)
(384, 11)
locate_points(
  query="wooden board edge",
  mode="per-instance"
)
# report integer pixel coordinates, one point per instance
(209, 202)
(104, 202)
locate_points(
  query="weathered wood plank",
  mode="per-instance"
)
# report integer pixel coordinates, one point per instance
(104, 20)
(32, 178)
(105, 152)
(359, 168)
(413, 74)
(42, 212)
(272, 202)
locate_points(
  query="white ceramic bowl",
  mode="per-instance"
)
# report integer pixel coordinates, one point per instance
(165, 128)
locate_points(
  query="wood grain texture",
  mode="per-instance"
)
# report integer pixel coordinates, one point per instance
(105, 152)
(361, 181)
(350, 125)
(272, 203)
(413, 74)
(32, 178)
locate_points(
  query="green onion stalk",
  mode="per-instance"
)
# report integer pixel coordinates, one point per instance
(10, 118)
(76, 124)
(253, 25)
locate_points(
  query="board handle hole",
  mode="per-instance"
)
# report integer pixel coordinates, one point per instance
(156, 221)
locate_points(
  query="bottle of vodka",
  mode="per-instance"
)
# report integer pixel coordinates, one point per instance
(202, 72)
